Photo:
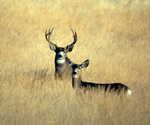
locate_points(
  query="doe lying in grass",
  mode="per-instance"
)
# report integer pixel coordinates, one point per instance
(78, 83)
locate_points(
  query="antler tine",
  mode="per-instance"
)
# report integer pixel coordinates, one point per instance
(74, 36)
(72, 31)
(48, 34)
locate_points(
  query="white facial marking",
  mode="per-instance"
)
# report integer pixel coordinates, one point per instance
(75, 75)
(62, 59)
(61, 54)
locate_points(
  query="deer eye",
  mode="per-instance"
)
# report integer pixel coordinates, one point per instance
(79, 68)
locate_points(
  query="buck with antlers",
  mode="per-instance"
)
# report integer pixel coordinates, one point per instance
(78, 83)
(61, 67)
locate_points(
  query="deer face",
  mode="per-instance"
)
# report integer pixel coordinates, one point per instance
(76, 71)
(76, 68)
(60, 55)
(60, 51)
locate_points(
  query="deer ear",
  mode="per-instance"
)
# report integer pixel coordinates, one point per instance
(52, 46)
(69, 62)
(85, 64)
(69, 48)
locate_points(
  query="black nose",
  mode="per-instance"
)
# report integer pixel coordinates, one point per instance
(59, 56)
(74, 73)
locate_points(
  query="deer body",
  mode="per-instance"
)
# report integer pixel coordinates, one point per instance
(78, 83)
(61, 67)
(107, 87)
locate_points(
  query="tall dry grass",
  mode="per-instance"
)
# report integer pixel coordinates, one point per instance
(113, 35)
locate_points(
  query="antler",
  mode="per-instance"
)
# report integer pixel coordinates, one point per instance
(70, 47)
(74, 36)
(48, 34)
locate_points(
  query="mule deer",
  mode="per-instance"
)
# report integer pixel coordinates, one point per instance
(78, 83)
(61, 66)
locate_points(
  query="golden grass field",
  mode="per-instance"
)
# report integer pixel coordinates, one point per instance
(113, 35)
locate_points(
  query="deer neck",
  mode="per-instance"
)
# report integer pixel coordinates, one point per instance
(77, 82)
(60, 65)
(62, 68)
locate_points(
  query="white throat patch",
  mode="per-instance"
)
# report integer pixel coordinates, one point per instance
(60, 61)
